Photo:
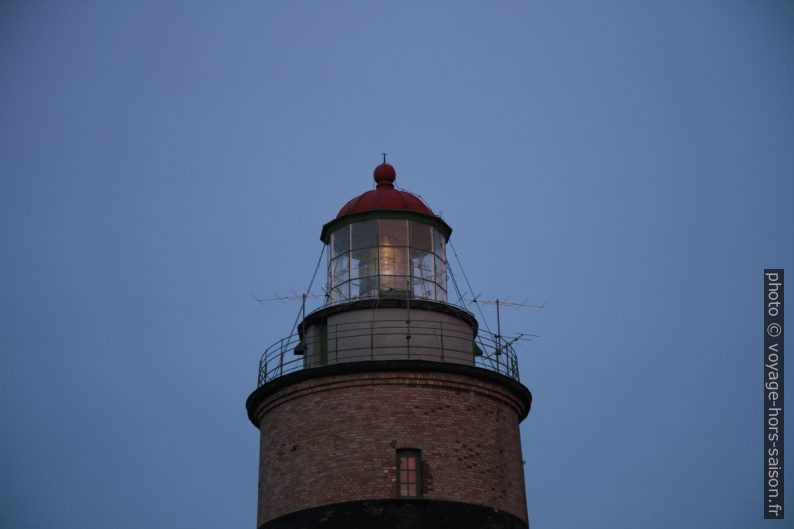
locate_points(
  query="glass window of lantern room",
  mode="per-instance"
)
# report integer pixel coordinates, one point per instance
(364, 273)
(364, 259)
(339, 265)
(340, 278)
(393, 232)
(364, 234)
(421, 257)
(409, 473)
(340, 241)
(393, 258)
(423, 289)
(440, 265)
(439, 245)
(393, 268)
(422, 275)
(441, 279)
(421, 235)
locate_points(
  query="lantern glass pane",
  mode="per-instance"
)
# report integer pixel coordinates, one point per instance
(364, 262)
(393, 261)
(439, 244)
(365, 234)
(422, 264)
(393, 232)
(340, 241)
(421, 236)
(340, 271)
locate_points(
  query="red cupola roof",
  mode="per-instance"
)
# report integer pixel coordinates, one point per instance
(385, 202)
(385, 197)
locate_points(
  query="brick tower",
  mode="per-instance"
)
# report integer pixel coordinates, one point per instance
(389, 408)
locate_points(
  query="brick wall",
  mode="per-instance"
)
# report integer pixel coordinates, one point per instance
(333, 439)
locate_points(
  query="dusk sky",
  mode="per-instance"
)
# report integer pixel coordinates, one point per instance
(162, 163)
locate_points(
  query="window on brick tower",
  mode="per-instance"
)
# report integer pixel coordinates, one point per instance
(409, 473)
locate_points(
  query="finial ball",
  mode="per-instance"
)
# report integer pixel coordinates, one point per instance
(384, 175)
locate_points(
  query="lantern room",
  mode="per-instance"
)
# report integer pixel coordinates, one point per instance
(386, 243)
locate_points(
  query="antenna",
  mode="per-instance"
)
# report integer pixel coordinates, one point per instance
(501, 341)
(505, 302)
(294, 297)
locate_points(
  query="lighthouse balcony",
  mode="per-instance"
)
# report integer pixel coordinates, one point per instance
(361, 332)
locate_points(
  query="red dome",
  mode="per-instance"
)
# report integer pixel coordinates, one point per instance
(385, 196)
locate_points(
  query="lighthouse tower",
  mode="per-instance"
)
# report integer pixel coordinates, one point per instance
(389, 408)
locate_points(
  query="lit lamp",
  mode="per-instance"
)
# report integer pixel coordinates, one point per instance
(393, 271)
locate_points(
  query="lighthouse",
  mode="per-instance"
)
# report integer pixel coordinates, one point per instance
(389, 407)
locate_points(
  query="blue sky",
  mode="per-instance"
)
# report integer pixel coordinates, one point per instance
(160, 162)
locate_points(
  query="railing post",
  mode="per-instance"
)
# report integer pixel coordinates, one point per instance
(281, 357)
(408, 324)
